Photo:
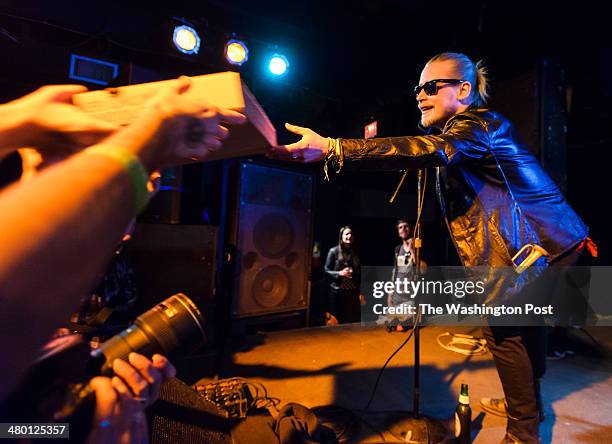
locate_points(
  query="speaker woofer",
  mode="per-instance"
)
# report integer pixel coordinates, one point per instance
(273, 236)
(271, 286)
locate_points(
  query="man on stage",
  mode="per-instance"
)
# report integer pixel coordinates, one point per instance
(494, 195)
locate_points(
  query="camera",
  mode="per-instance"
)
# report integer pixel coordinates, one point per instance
(56, 387)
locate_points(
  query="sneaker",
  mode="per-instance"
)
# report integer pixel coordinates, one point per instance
(392, 325)
(495, 406)
(498, 407)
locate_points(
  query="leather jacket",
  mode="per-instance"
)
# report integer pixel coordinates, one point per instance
(494, 194)
(337, 261)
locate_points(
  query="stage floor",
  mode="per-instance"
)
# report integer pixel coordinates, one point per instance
(339, 365)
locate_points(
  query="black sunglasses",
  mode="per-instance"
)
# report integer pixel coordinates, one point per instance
(431, 87)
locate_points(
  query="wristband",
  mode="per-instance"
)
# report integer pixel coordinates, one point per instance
(134, 169)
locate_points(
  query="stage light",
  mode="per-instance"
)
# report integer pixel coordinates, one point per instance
(236, 52)
(278, 65)
(186, 39)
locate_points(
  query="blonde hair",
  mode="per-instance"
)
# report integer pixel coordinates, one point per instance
(475, 73)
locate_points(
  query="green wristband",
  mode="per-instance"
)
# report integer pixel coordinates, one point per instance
(133, 167)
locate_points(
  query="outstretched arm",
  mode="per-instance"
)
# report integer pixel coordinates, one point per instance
(47, 120)
(58, 230)
(465, 139)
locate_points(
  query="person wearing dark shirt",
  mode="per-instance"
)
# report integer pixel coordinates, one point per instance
(344, 269)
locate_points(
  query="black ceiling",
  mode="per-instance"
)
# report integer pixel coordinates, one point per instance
(346, 53)
(337, 46)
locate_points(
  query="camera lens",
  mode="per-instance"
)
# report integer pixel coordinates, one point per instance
(173, 325)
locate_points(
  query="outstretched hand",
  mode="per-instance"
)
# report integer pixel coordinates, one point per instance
(175, 129)
(47, 119)
(310, 148)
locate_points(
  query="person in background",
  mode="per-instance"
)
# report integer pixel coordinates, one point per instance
(344, 269)
(403, 268)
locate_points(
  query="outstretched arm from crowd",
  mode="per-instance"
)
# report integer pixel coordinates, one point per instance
(58, 230)
(47, 120)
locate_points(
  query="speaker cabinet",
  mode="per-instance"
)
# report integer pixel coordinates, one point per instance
(169, 259)
(272, 233)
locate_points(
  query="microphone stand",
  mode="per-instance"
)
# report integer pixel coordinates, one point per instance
(413, 427)
(416, 395)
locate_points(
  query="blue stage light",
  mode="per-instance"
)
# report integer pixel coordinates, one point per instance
(186, 39)
(278, 65)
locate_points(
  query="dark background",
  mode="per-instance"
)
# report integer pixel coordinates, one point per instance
(350, 62)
